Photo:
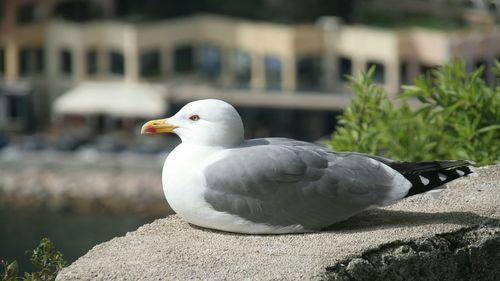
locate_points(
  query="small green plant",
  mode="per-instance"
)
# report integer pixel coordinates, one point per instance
(45, 257)
(9, 271)
(459, 118)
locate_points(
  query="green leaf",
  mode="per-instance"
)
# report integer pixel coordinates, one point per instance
(458, 119)
(11, 271)
(487, 129)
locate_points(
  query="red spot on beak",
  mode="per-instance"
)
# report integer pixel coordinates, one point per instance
(150, 130)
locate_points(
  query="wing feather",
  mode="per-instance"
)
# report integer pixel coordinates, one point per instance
(282, 182)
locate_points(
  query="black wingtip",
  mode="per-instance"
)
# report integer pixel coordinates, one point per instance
(427, 180)
(419, 167)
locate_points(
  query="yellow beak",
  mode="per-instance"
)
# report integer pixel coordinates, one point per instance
(157, 126)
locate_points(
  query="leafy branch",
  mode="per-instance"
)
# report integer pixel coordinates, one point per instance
(45, 257)
(459, 118)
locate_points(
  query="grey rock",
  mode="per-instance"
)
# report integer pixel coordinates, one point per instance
(454, 237)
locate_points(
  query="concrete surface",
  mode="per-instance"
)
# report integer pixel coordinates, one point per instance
(454, 237)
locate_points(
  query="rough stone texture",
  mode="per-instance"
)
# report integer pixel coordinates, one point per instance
(117, 183)
(454, 237)
(468, 254)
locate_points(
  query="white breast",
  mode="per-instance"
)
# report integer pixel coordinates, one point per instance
(184, 187)
(183, 182)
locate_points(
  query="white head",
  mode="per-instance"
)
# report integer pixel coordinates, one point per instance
(204, 122)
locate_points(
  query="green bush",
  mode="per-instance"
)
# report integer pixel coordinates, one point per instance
(45, 257)
(458, 118)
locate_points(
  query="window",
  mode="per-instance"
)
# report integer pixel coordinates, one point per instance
(309, 73)
(116, 63)
(427, 69)
(91, 61)
(379, 72)
(30, 60)
(345, 68)
(403, 73)
(2, 60)
(150, 63)
(14, 107)
(242, 69)
(66, 62)
(210, 61)
(492, 7)
(75, 10)
(24, 62)
(39, 59)
(183, 59)
(273, 68)
(25, 14)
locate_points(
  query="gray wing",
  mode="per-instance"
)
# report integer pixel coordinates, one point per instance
(286, 182)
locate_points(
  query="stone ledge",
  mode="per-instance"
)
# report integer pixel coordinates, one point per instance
(467, 254)
(418, 238)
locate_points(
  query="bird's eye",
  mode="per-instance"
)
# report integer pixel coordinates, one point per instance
(194, 118)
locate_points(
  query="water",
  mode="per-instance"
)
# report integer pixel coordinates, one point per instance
(72, 234)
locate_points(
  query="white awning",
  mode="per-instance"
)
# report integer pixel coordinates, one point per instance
(114, 99)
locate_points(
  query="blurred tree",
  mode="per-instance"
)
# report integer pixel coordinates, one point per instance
(270, 10)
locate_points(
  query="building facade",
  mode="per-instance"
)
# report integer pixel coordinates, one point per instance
(248, 63)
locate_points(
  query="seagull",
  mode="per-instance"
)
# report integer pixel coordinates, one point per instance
(216, 179)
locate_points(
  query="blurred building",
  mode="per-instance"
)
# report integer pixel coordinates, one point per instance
(470, 11)
(92, 66)
(25, 93)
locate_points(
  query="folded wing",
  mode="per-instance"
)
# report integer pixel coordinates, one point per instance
(286, 182)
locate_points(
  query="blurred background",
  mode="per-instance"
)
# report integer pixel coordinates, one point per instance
(79, 77)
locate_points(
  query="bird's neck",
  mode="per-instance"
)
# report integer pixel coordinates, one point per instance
(185, 152)
(209, 143)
